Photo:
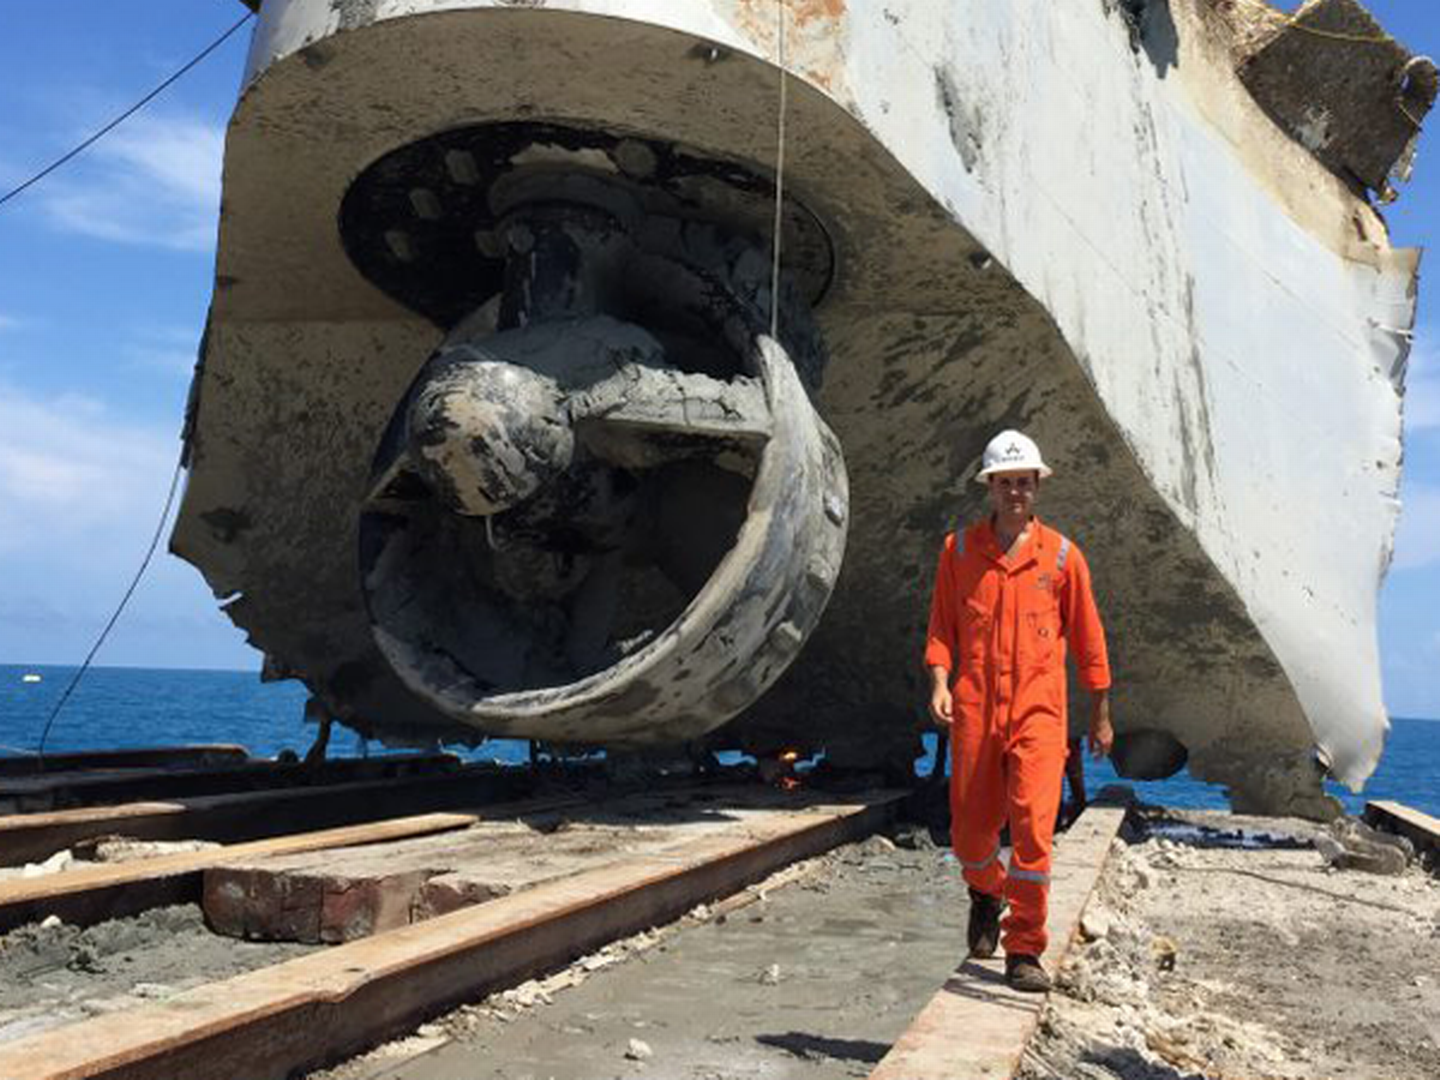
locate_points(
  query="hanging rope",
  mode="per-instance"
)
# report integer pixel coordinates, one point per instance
(114, 618)
(779, 173)
(113, 124)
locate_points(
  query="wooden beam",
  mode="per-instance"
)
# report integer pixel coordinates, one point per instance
(1418, 827)
(253, 815)
(342, 894)
(57, 791)
(976, 1027)
(93, 894)
(300, 1015)
(70, 760)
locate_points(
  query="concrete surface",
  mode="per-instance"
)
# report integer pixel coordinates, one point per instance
(814, 981)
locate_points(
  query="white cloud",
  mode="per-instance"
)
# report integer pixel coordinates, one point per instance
(70, 472)
(1417, 541)
(81, 489)
(1422, 382)
(167, 349)
(155, 180)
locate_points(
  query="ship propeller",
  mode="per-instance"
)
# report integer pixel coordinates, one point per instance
(606, 510)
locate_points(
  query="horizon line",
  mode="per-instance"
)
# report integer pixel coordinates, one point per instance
(256, 672)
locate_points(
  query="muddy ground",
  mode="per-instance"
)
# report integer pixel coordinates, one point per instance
(52, 973)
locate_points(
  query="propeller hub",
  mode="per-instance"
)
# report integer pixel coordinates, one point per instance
(485, 434)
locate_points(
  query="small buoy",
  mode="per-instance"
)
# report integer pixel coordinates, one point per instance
(30, 676)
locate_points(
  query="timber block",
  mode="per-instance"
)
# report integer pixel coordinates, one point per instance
(360, 893)
(86, 896)
(246, 902)
(451, 892)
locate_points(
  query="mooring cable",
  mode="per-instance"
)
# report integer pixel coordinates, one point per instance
(113, 124)
(115, 616)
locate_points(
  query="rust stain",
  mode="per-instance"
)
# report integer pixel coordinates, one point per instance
(760, 14)
(813, 33)
(807, 11)
(749, 19)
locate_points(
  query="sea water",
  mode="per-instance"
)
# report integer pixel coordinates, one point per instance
(135, 707)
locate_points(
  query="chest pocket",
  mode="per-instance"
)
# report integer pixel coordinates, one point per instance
(1039, 644)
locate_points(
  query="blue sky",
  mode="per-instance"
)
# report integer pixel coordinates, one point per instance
(105, 272)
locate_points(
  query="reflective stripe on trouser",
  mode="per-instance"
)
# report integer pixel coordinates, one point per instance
(1016, 775)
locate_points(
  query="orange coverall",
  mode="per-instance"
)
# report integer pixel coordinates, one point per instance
(999, 627)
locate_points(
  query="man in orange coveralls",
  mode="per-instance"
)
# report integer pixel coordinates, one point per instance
(1010, 593)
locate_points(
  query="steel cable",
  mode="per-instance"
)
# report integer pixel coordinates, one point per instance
(113, 124)
(115, 617)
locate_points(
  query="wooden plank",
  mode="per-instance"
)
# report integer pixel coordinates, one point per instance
(143, 757)
(253, 815)
(976, 1027)
(56, 791)
(1418, 827)
(342, 894)
(93, 894)
(299, 1015)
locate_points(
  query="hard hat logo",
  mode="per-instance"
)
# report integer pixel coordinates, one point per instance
(1011, 451)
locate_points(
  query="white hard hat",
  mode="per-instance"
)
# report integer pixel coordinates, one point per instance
(1011, 451)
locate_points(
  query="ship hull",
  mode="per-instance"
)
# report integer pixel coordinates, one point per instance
(1037, 221)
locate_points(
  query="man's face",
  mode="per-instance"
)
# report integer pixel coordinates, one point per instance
(1012, 494)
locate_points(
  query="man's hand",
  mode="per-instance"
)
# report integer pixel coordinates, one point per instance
(942, 705)
(1102, 734)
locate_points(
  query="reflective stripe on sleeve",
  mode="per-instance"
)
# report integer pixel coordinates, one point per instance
(1064, 551)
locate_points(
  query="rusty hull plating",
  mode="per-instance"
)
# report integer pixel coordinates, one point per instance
(491, 438)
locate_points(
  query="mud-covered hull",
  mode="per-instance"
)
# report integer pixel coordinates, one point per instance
(1035, 219)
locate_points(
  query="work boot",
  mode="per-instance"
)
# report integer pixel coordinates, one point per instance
(983, 933)
(1024, 973)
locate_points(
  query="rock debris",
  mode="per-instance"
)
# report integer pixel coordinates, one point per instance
(1228, 948)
